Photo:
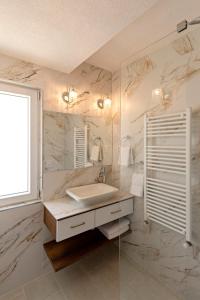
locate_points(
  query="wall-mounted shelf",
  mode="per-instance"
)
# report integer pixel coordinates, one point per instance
(69, 251)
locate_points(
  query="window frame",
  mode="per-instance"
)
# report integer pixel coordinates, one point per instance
(35, 111)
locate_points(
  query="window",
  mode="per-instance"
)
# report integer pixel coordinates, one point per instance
(19, 144)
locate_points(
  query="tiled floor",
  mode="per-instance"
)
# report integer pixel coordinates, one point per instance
(94, 277)
(137, 285)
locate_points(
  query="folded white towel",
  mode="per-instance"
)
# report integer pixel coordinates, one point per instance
(113, 235)
(126, 156)
(137, 185)
(115, 228)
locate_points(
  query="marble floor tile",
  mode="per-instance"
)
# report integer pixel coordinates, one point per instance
(77, 284)
(136, 284)
(14, 295)
(104, 272)
(101, 275)
(41, 288)
(56, 296)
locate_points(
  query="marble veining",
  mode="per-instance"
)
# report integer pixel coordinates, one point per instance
(21, 235)
(57, 182)
(174, 68)
(183, 45)
(21, 229)
(21, 71)
(94, 278)
(91, 84)
(174, 77)
(116, 127)
(136, 72)
(59, 138)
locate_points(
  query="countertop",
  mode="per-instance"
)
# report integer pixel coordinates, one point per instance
(67, 207)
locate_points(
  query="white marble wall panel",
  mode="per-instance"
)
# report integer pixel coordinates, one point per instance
(58, 142)
(90, 82)
(116, 85)
(22, 234)
(176, 69)
(53, 141)
(21, 229)
(55, 183)
(100, 127)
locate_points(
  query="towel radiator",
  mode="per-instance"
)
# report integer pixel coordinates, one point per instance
(167, 159)
(80, 146)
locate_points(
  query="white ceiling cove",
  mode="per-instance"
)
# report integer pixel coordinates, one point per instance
(61, 34)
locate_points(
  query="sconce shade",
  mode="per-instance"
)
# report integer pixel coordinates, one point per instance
(102, 103)
(70, 95)
(161, 95)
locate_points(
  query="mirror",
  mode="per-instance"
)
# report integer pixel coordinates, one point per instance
(75, 141)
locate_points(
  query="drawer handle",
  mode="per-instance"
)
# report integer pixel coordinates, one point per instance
(78, 225)
(115, 212)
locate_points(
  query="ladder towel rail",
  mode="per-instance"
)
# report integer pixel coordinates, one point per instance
(168, 202)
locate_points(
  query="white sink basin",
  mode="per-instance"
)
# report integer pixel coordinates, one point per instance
(92, 193)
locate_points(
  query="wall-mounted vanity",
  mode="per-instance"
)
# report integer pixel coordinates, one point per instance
(74, 225)
(74, 222)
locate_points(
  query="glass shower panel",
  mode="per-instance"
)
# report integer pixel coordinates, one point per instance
(162, 79)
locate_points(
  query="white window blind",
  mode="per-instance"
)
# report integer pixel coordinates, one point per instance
(19, 144)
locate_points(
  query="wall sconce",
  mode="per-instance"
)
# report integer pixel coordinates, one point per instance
(70, 95)
(159, 94)
(103, 103)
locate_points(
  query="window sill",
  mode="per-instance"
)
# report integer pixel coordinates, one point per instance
(17, 205)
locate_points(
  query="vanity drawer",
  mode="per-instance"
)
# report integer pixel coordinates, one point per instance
(113, 212)
(74, 225)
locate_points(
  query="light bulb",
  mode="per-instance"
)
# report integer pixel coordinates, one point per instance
(157, 92)
(72, 94)
(107, 102)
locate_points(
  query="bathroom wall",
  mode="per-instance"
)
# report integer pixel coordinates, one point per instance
(116, 97)
(58, 139)
(22, 232)
(175, 68)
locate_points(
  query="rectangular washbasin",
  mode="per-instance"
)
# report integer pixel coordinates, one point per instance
(91, 193)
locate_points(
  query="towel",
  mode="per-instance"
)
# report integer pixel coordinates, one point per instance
(126, 156)
(113, 235)
(95, 153)
(100, 151)
(137, 185)
(113, 229)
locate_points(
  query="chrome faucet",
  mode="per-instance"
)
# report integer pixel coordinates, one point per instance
(102, 175)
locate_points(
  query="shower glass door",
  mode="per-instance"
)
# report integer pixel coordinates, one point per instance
(164, 78)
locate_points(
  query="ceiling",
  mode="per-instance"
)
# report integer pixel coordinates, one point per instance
(61, 34)
(153, 25)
